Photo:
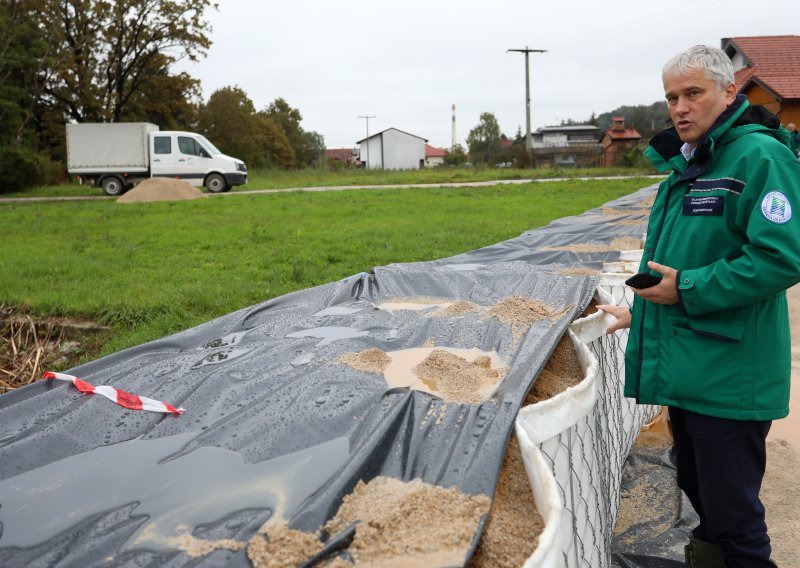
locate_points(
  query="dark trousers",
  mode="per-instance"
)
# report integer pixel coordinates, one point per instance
(720, 466)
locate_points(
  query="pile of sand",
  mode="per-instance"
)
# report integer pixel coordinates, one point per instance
(409, 523)
(161, 189)
(283, 547)
(518, 310)
(399, 524)
(458, 308)
(455, 379)
(372, 360)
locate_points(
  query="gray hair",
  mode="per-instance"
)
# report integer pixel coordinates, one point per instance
(713, 61)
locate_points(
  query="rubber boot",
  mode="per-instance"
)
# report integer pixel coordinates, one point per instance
(702, 554)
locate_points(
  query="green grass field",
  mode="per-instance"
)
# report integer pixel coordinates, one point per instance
(150, 269)
(280, 179)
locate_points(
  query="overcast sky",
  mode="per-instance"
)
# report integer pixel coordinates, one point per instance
(406, 62)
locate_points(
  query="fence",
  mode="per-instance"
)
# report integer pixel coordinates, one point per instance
(575, 444)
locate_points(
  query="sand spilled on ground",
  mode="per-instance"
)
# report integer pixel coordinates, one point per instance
(161, 189)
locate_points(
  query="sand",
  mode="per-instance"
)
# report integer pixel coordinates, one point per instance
(454, 379)
(372, 360)
(458, 308)
(562, 370)
(518, 310)
(409, 523)
(512, 531)
(161, 189)
(620, 243)
(282, 547)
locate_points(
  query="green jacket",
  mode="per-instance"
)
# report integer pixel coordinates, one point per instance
(729, 221)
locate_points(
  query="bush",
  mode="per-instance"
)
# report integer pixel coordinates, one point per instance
(22, 168)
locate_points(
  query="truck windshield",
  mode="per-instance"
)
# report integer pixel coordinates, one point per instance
(208, 144)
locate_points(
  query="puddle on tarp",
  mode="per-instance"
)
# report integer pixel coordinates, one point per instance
(177, 495)
(398, 373)
(301, 360)
(464, 267)
(329, 334)
(220, 357)
(339, 311)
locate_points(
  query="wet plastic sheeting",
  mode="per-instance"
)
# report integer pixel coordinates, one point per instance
(659, 517)
(274, 426)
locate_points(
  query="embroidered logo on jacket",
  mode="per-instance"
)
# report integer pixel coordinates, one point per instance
(776, 207)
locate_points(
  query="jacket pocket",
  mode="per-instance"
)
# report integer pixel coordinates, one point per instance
(706, 363)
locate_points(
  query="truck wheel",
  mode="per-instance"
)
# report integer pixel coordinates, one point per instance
(113, 186)
(216, 183)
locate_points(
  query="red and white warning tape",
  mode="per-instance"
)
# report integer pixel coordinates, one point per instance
(121, 397)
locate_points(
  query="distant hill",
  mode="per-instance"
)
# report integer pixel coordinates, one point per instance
(646, 119)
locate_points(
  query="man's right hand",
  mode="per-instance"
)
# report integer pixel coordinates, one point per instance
(623, 316)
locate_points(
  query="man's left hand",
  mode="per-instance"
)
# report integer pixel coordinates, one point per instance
(666, 291)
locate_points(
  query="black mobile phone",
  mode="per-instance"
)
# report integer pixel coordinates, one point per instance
(643, 280)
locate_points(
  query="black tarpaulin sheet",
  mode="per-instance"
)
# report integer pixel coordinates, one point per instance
(655, 519)
(274, 425)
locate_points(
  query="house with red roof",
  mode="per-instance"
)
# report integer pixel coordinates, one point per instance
(768, 72)
(347, 156)
(434, 156)
(616, 141)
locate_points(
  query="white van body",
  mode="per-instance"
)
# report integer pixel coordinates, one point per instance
(117, 156)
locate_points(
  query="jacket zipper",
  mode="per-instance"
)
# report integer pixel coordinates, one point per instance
(644, 303)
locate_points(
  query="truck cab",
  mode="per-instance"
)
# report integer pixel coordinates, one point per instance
(193, 158)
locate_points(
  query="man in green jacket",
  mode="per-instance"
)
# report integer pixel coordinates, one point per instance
(711, 339)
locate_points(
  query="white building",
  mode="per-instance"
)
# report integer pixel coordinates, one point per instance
(562, 136)
(392, 149)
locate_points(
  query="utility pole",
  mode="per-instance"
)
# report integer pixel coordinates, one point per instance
(528, 140)
(367, 116)
(453, 133)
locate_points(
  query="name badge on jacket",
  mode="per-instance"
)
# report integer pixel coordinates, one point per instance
(709, 205)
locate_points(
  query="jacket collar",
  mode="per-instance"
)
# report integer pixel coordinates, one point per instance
(665, 147)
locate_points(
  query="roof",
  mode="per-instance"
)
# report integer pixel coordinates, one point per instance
(343, 154)
(770, 61)
(433, 152)
(505, 142)
(571, 128)
(387, 130)
(627, 134)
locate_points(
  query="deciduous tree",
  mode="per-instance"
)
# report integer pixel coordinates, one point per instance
(483, 140)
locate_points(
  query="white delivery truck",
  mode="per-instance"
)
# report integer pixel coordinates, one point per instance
(116, 156)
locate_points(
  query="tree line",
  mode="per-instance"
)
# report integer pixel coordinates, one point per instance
(98, 61)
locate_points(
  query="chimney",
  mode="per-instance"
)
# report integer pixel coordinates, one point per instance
(617, 123)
